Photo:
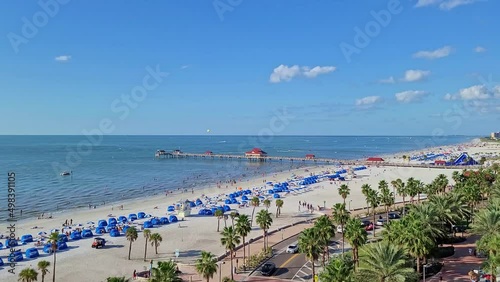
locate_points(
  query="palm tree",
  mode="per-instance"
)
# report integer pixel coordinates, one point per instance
(491, 246)
(53, 240)
(219, 214)
(147, 235)
(344, 191)
(243, 228)
(326, 230)
(233, 215)
(356, 236)
(264, 220)
(155, 239)
(230, 239)
(43, 266)
(308, 245)
(267, 203)
(279, 204)
(255, 202)
(131, 235)
(206, 266)
(338, 269)
(384, 262)
(374, 200)
(365, 189)
(28, 275)
(117, 279)
(166, 271)
(402, 190)
(386, 197)
(441, 183)
(340, 216)
(449, 208)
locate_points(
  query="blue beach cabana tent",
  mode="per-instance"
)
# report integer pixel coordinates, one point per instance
(244, 198)
(114, 233)
(170, 209)
(75, 235)
(164, 220)
(122, 219)
(1, 262)
(62, 238)
(124, 229)
(26, 239)
(102, 223)
(132, 217)
(87, 233)
(61, 246)
(112, 221)
(141, 215)
(226, 208)
(16, 256)
(155, 221)
(1, 245)
(228, 201)
(110, 227)
(172, 218)
(47, 248)
(11, 243)
(276, 196)
(198, 202)
(148, 224)
(31, 253)
(100, 230)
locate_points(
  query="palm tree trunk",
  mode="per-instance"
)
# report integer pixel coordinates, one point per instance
(156, 248)
(418, 265)
(343, 231)
(277, 209)
(313, 269)
(54, 269)
(367, 208)
(145, 249)
(253, 211)
(404, 206)
(225, 222)
(129, 249)
(325, 251)
(218, 224)
(374, 225)
(244, 254)
(264, 240)
(387, 213)
(232, 271)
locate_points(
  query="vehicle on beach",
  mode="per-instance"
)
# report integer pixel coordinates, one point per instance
(99, 243)
(268, 269)
(292, 249)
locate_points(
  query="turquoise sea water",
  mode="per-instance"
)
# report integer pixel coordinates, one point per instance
(124, 167)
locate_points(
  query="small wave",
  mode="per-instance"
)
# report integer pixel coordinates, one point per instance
(224, 141)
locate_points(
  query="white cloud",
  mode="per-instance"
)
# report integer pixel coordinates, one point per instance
(415, 75)
(479, 49)
(63, 58)
(368, 101)
(410, 96)
(317, 70)
(286, 73)
(476, 92)
(185, 67)
(434, 54)
(444, 4)
(389, 80)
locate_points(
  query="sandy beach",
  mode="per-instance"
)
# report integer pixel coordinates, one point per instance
(195, 233)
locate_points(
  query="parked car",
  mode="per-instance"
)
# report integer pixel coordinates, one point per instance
(369, 227)
(268, 269)
(381, 221)
(340, 229)
(394, 216)
(365, 223)
(292, 249)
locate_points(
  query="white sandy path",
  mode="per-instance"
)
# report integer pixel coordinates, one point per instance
(82, 263)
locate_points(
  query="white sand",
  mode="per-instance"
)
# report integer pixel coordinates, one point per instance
(82, 263)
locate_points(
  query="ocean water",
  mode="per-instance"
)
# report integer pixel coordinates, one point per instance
(124, 167)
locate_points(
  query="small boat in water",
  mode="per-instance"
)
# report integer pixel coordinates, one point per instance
(65, 173)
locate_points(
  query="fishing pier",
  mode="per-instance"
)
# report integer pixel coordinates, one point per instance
(257, 155)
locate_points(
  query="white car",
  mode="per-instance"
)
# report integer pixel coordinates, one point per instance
(381, 222)
(340, 229)
(292, 249)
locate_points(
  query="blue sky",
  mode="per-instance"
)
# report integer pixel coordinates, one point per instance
(234, 66)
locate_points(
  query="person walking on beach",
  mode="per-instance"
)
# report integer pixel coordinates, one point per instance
(134, 275)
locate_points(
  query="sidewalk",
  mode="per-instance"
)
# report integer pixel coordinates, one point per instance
(456, 267)
(189, 271)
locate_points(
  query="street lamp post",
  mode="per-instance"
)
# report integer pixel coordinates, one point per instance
(220, 270)
(425, 266)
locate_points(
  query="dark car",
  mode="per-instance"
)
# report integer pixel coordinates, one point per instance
(365, 223)
(394, 216)
(268, 269)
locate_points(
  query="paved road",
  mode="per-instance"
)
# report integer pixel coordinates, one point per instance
(296, 267)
